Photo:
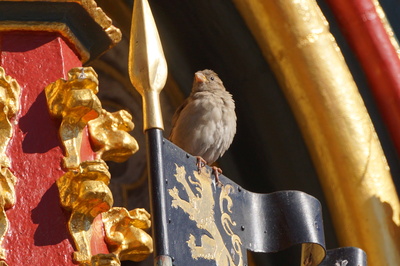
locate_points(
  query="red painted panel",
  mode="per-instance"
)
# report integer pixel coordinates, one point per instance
(38, 232)
(366, 34)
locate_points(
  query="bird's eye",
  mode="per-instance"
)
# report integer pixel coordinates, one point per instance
(212, 78)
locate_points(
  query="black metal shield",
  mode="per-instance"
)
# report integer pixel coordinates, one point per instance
(209, 224)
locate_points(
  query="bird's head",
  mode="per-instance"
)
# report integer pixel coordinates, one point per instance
(207, 80)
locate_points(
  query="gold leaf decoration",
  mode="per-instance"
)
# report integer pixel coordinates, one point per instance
(125, 233)
(110, 138)
(74, 101)
(86, 194)
(9, 106)
(84, 187)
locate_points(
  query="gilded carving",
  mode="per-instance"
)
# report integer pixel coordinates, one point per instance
(74, 101)
(200, 208)
(105, 260)
(84, 187)
(110, 138)
(85, 193)
(7, 200)
(125, 235)
(9, 106)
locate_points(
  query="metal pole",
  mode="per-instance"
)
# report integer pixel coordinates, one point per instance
(148, 74)
(154, 141)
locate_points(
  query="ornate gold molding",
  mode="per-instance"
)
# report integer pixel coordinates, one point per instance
(7, 200)
(84, 188)
(110, 138)
(86, 194)
(125, 235)
(75, 102)
(105, 260)
(9, 106)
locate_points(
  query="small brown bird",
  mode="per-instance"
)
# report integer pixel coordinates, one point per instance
(205, 124)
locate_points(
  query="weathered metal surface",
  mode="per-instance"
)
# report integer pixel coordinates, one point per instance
(209, 224)
(345, 257)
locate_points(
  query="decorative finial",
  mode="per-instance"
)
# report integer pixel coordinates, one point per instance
(147, 64)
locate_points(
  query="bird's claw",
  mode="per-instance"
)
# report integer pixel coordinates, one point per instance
(217, 171)
(200, 163)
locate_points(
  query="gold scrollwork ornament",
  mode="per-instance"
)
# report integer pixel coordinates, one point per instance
(125, 235)
(75, 102)
(110, 138)
(9, 106)
(84, 188)
(86, 194)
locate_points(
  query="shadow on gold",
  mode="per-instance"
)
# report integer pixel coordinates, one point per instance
(9, 106)
(75, 102)
(125, 235)
(110, 138)
(86, 194)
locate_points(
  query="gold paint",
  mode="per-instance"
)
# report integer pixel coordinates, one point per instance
(114, 34)
(125, 235)
(75, 102)
(119, 12)
(9, 106)
(147, 64)
(338, 131)
(108, 134)
(311, 254)
(7, 200)
(58, 27)
(84, 188)
(105, 260)
(85, 193)
(200, 208)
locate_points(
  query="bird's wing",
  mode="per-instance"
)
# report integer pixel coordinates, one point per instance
(176, 116)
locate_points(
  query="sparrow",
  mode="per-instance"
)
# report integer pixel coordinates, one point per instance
(205, 124)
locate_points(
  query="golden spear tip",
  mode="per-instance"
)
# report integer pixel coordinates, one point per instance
(147, 65)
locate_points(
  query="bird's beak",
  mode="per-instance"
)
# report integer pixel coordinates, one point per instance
(199, 77)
